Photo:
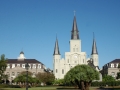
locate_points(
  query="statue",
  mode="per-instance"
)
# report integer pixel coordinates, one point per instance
(90, 63)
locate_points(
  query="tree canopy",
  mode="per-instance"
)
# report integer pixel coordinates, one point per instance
(46, 77)
(22, 78)
(82, 76)
(119, 66)
(3, 65)
(118, 75)
(108, 78)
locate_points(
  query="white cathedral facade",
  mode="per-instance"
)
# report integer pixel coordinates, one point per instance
(62, 65)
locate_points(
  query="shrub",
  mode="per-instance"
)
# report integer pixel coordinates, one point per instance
(112, 83)
(9, 86)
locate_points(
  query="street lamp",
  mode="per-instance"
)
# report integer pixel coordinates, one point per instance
(27, 67)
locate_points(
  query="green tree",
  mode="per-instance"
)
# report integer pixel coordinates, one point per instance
(3, 66)
(21, 78)
(118, 75)
(59, 82)
(46, 78)
(108, 78)
(82, 76)
(119, 66)
(5, 78)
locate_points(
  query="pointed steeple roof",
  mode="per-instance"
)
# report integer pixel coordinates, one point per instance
(21, 52)
(94, 47)
(56, 48)
(74, 32)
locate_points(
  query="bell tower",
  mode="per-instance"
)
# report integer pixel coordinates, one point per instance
(94, 54)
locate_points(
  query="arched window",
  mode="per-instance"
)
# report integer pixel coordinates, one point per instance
(73, 49)
(75, 61)
(68, 60)
(13, 73)
(18, 73)
(56, 70)
(76, 49)
(62, 71)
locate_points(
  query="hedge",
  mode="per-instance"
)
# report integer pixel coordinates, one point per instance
(9, 86)
(113, 83)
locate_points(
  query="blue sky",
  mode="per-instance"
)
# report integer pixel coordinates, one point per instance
(32, 25)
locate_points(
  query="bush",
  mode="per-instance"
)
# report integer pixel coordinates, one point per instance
(112, 83)
(9, 86)
(15, 86)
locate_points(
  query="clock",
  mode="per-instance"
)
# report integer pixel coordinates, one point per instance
(75, 56)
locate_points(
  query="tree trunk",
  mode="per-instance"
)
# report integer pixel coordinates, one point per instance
(82, 85)
(78, 84)
(87, 86)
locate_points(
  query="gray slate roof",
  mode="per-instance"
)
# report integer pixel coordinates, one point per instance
(24, 61)
(94, 47)
(74, 32)
(56, 48)
(115, 61)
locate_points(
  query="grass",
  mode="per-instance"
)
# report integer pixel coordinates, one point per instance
(55, 88)
(45, 88)
(60, 88)
(33, 88)
(36, 88)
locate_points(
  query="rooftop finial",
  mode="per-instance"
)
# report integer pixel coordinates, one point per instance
(74, 12)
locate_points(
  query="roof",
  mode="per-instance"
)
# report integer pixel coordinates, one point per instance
(74, 32)
(56, 48)
(21, 52)
(115, 61)
(94, 46)
(24, 61)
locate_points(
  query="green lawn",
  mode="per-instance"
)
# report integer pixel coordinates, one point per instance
(55, 88)
(36, 88)
(41, 88)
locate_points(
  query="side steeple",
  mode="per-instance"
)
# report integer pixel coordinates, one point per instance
(74, 32)
(94, 47)
(56, 48)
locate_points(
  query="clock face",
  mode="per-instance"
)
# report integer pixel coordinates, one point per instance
(75, 56)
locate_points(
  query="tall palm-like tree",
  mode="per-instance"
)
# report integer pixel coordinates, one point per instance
(5, 78)
(3, 66)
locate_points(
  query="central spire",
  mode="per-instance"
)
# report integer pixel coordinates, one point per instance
(74, 32)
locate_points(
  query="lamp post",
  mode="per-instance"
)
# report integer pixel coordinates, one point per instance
(27, 67)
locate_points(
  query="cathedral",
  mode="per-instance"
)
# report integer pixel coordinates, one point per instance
(75, 56)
